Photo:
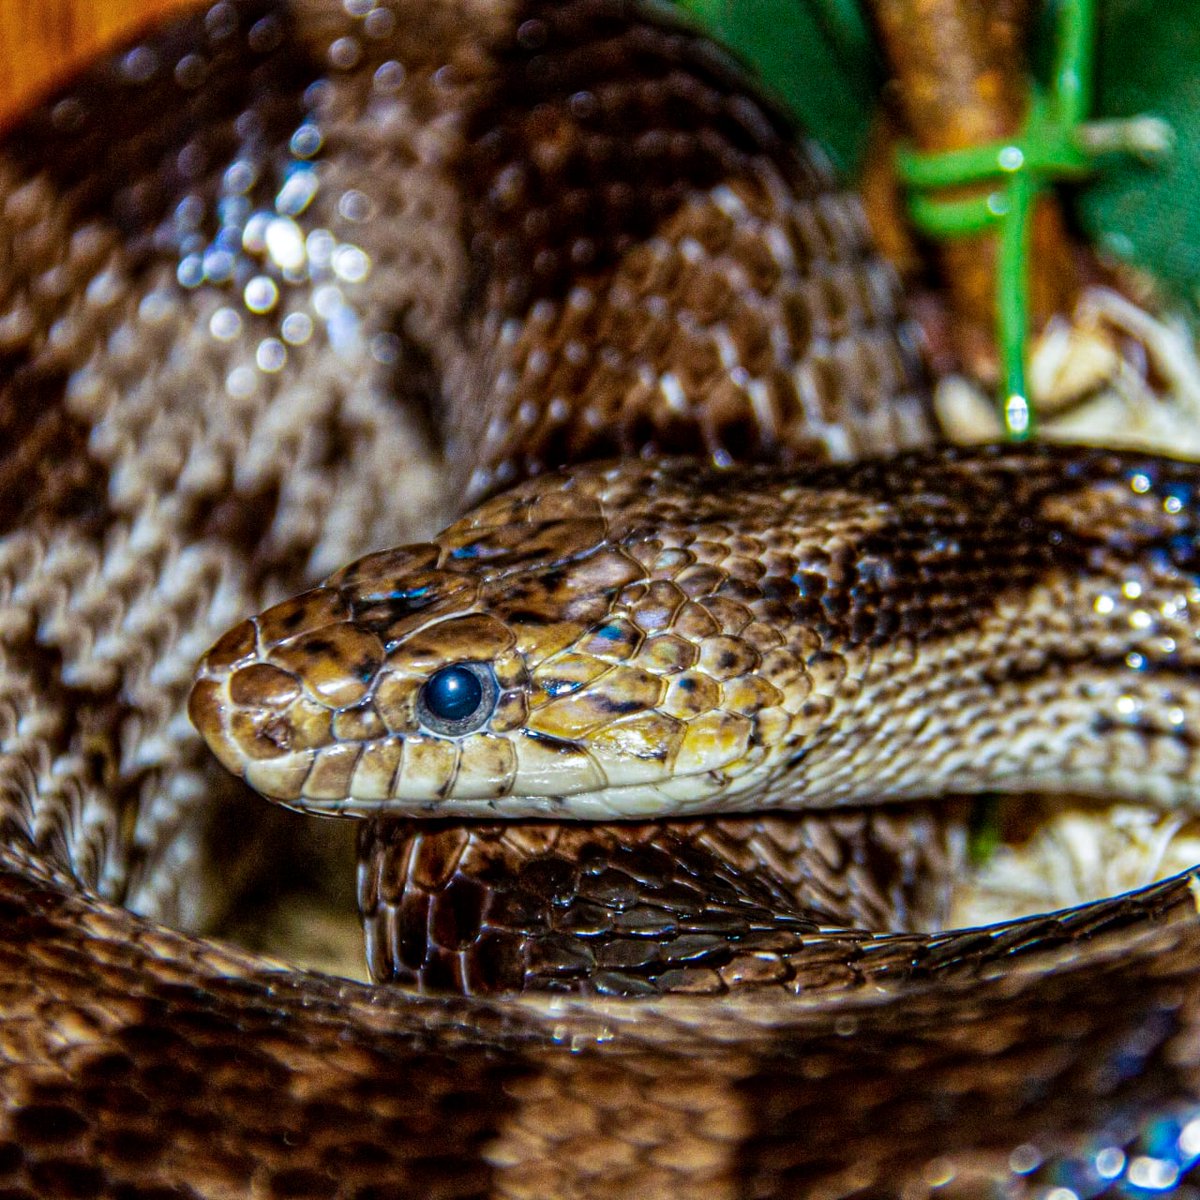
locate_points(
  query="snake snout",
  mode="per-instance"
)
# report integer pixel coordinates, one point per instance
(241, 707)
(208, 704)
(277, 697)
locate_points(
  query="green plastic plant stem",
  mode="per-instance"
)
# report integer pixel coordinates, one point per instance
(1012, 310)
(1040, 147)
(1072, 85)
(950, 168)
(953, 218)
(984, 829)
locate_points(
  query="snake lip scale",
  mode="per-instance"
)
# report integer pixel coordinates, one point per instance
(283, 284)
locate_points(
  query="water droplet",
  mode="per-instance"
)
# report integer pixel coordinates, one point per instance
(297, 328)
(1154, 1174)
(218, 265)
(385, 348)
(379, 23)
(320, 245)
(233, 210)
(155, 306)
(351, 264)
(68, 114)
(190, 71)
(1016, 414)
(241, 382)
(254, 236)
(139, 64)
(225, 324)
(240, 176)
(354, 205)
(190, 271)
(328, 300)
(297, 192)
(532, 34)
(271, 355)
(1024, 1158)
(260, 294)
(345, 53)
(285, 243)
(265, 35)
(306, 141)
(389, 77)
(1011, 158)
(939, 1171)
(220, 21)
(1189, 1135)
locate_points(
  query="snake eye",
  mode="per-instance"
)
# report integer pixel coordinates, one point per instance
(457, 699)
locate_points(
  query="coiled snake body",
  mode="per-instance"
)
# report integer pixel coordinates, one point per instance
(247, 269)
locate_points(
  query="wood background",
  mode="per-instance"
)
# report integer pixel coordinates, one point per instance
(42, 40)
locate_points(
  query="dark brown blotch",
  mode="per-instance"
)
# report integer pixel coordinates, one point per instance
(301, 614)
(386, 574)
(336, 662)
(231, 648)
(262, 685)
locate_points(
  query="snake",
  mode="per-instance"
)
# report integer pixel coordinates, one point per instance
(283, 285)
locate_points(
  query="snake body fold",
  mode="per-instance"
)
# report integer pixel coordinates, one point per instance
(251, 269)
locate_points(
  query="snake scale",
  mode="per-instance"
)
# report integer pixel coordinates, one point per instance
(254, 270)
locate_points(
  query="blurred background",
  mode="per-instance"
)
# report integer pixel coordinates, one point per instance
(42, 41)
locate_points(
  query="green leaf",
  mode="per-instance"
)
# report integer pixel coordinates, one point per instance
(816, 56)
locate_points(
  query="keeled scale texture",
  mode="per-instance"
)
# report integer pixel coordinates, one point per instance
(670, 640)
(223, 256)
(137, 1061)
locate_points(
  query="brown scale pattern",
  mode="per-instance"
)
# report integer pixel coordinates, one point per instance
(183, 448)
(286, 1084)
(696, 908)
(671, 639)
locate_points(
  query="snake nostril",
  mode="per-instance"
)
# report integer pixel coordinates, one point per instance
(277, 732)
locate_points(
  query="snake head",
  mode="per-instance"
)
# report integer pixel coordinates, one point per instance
(535, 659)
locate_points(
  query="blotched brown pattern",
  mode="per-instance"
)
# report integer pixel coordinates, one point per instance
(250, 270)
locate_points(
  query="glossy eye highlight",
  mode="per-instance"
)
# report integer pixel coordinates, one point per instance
(458, 699)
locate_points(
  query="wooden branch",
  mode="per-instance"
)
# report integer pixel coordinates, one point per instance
(959, 81)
